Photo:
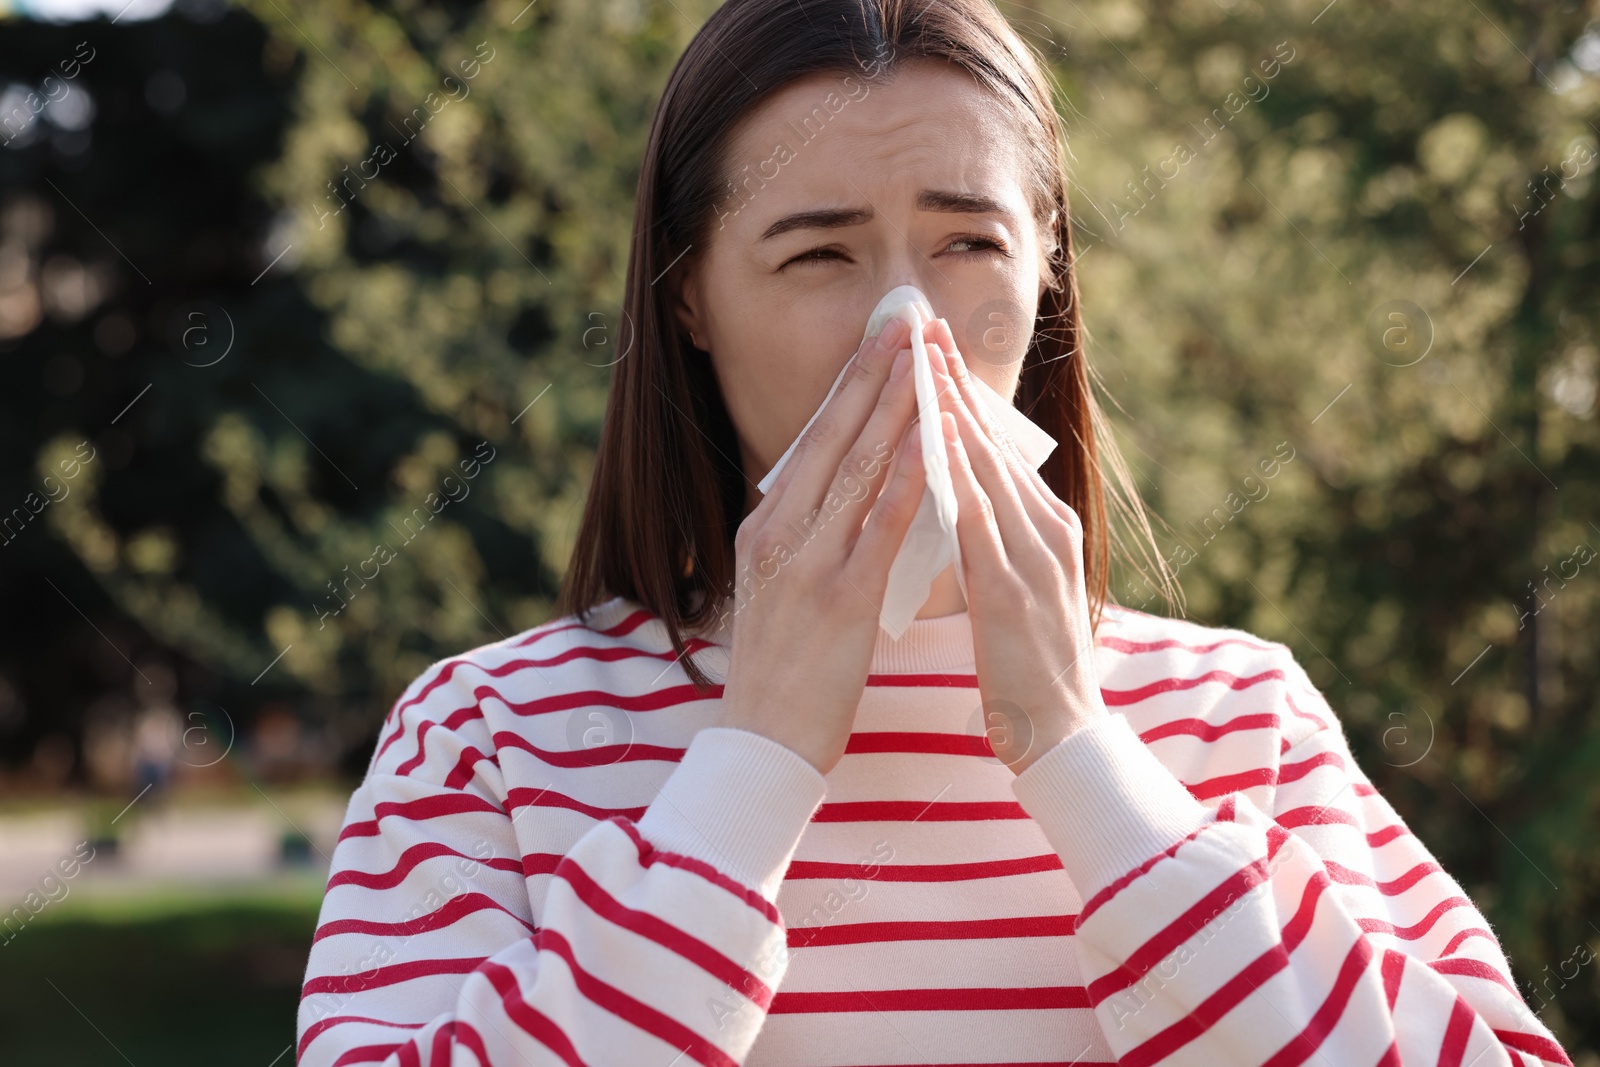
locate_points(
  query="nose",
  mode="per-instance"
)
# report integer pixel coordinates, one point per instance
(906, 265)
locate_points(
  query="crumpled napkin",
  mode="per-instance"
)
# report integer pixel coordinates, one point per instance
(930, 543)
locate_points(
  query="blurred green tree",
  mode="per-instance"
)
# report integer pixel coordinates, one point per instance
(1338, 263)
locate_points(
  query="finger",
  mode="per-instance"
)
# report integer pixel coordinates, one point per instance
(874, 550)
(938, 332)
(982, 553)
(865, 470)
(814, 464)
(1035, 492)
(984, 459)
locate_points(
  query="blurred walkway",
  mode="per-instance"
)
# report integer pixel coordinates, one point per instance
(173, 842)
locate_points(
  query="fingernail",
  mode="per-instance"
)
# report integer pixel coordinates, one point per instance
(894, 331)
(902, 363)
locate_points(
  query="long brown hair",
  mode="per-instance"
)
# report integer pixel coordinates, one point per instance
(668, 491)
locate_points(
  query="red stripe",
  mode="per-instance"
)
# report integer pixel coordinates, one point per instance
(1291, 772)
(1345, 876)
(1305, 1044)
(649, 854)
(906, 741)
(1100, 899)
(1469, 932)
(1326, 815)
(651, 1020)
(365, 1054)
(1232, 783)
(530, 1020)
(1534, 1045)
(409, 1056)
(598, 756)
(1277, 837)
(455, 908)
(541, 863)
(663, 933)
(1288, 699)
(1119, 697)
(926, 872)
(482, 691)
(964, 680)
(931, 930)
(331, 1021)
(1393, 969)
(1377, 838)
(539, 633)
(1144, 958)
(1232, 992)
(1420, 927)
(416, 761)
(976, 999)
(1456, 1033)
(1133, 648)
(1263, 776)
(466, 767)
(1467, 967)
(919, 811)
(466, 1035)
(439, 1054)
(650, 700)
(418, 810)
(392, 975)
(408, 861)
(453, 721)
(1208, 731)
(523, 797)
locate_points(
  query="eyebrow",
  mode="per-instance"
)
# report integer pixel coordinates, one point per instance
(927, 200)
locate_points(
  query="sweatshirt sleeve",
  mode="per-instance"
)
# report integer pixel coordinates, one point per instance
(1341, 940)
(659, 939)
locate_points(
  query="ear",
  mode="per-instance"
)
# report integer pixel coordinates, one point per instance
(686, 306)
(1048, 247)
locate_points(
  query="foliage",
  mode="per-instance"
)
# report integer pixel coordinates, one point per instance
(1430, 473)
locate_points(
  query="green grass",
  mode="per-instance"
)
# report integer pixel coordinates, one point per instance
(163, 979)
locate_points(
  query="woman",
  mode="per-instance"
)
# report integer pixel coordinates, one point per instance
(1036, 828)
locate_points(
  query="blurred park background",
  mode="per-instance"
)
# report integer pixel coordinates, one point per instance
(276, 275)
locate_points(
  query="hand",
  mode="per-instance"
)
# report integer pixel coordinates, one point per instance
(810, 577)
(1022, 561)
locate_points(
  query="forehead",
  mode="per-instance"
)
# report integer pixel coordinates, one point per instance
(833, 139)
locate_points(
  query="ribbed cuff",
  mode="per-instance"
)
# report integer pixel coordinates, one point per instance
(738, 801)
(1106, 803)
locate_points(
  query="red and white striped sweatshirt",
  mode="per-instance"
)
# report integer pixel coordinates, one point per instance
(552, 860)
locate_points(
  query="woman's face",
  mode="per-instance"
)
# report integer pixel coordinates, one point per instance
(920, 176)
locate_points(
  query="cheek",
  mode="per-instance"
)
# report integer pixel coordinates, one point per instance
(993, 335)
(776, 358)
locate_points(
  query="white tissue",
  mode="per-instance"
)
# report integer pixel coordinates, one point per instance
(931, 543)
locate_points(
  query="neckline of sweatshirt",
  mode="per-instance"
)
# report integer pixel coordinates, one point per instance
(932, 645)
(941, 644)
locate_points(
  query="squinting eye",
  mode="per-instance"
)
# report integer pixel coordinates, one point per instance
(982, 245)
(981, 241)
(813, 256)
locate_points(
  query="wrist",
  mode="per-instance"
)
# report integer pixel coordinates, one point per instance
(1056, 731)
